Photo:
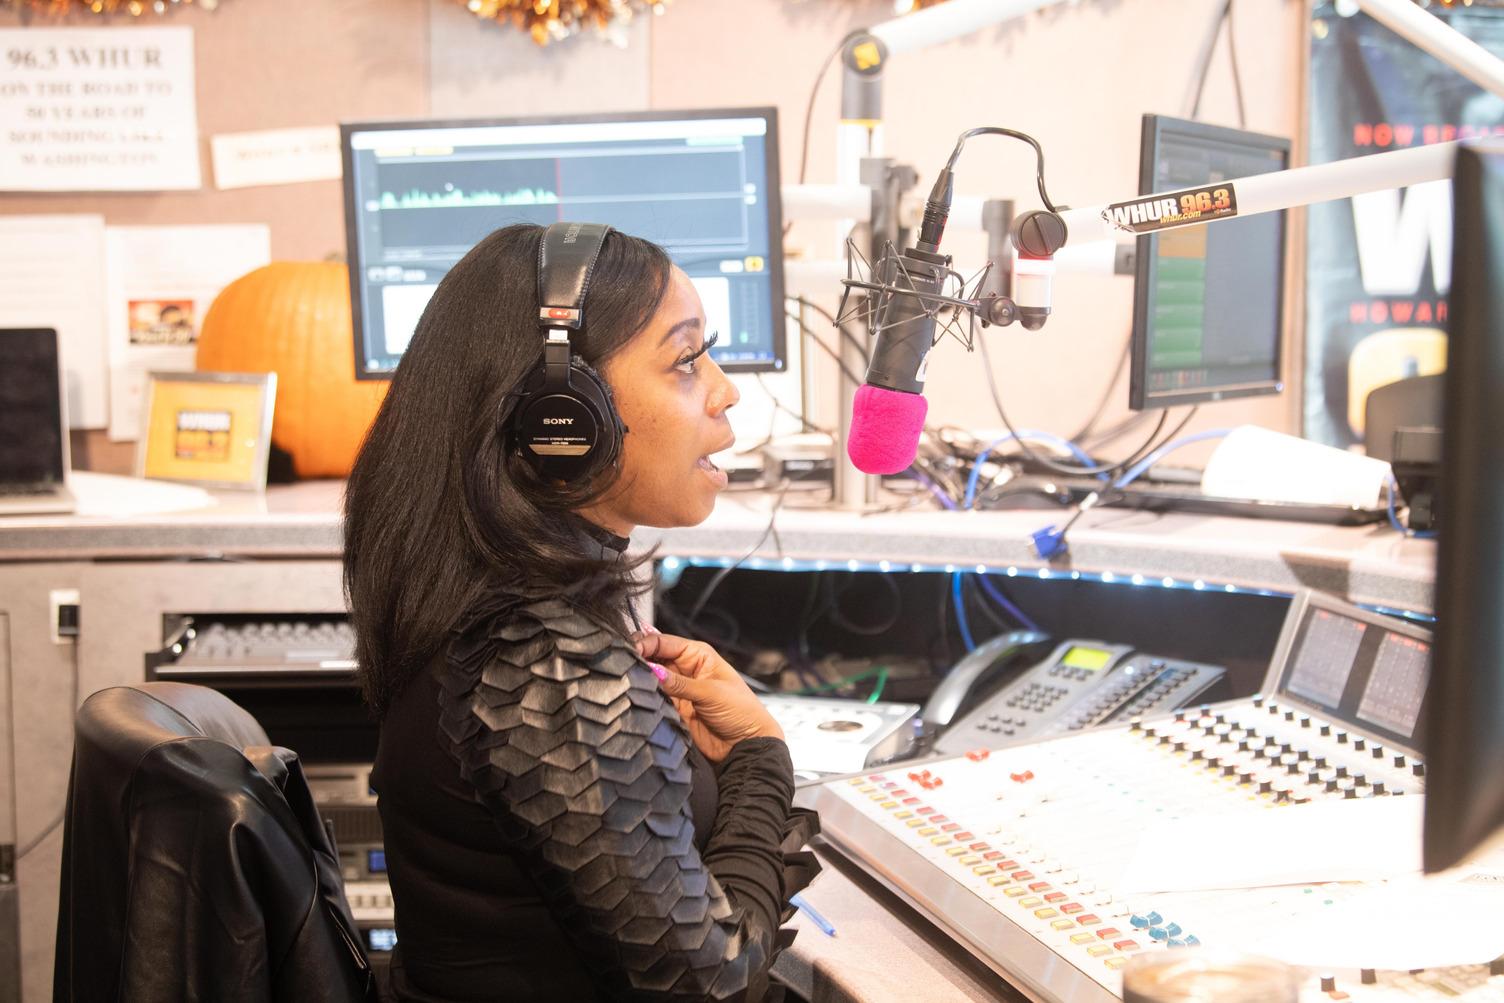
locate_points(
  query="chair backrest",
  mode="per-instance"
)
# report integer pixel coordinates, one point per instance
(194, 862)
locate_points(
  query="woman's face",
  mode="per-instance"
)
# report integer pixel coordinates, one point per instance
(673, 400)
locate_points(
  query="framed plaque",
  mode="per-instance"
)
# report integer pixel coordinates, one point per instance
(210, 429)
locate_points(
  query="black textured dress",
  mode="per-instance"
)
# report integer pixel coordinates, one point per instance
(551, 833)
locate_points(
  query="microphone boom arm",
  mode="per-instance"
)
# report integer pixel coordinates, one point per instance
(1259, 193)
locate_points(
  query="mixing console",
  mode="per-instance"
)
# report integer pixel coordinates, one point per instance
(1021, 852)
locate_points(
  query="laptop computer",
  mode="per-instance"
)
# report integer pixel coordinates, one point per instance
(33, 424)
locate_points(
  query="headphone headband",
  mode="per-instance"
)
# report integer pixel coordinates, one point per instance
(566, 261)
(565, 425)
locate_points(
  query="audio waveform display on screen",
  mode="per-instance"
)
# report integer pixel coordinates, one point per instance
(686, 198)
(459, 198)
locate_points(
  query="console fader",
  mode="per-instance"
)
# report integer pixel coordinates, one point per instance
(1016, 851)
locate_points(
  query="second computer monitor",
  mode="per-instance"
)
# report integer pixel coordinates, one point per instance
(704, 184)
(1208, 300)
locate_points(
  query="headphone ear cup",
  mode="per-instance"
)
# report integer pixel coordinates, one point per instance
(589, 385)
(566, 433)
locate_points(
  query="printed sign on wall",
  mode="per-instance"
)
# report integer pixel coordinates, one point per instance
(97, 109)
(1378, 266)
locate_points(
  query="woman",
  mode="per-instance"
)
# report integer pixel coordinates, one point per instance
(559, 824)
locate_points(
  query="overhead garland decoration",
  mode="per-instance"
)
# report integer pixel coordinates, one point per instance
(551, 20)
(135, 8)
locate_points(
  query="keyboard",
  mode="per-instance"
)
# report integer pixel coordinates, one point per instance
(300, 645)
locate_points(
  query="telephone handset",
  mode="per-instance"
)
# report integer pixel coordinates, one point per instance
(968, 676)
(1080, 684)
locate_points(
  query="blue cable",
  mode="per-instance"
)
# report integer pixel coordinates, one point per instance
(1049, 542)
(970, 500)
(1046, 437)
(1134, 472)
(955, 591)
(1007, 604)
(934, 489)
(1391, 489)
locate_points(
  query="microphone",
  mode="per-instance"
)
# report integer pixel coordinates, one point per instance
(887, 413)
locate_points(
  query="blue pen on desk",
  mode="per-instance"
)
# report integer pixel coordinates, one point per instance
(799, 902)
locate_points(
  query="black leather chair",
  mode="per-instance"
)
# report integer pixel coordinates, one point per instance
(195, 866)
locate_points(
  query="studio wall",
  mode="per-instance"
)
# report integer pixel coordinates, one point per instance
(1077, 76)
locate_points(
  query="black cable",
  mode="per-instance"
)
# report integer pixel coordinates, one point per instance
(1096, 415)
(846, 335)
(944, 621)
(807, 616)
(778, 405)
(1059, 468)
(845, 370)
(992, 130)
(1172, 434)
(1232, 60)
(41, 837)
(22, 849)
(1117, 431)
(969, 585)
(951, 487)
(809, 108)
(1206, 66)
(851, 627)
(720, 576)
(727, 646)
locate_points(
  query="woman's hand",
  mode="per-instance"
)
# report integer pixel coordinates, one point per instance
(715, 703)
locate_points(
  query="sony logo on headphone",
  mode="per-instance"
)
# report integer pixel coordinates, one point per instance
(558, 421)
(571, 233)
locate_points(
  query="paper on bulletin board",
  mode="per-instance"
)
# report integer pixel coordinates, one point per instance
(276, 157)
(97, 109)
(159, 283)
(52, 275)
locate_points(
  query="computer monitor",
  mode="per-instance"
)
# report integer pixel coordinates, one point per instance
(1465, 750)
(1207, 300)
(704, 184)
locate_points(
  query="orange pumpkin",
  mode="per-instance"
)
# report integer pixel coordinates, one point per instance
(293, 318)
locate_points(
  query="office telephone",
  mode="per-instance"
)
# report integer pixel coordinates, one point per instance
(1079, 684)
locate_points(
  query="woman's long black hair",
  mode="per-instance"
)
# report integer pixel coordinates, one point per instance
(440, 507)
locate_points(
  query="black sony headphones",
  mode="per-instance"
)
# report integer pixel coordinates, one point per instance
(564, 423)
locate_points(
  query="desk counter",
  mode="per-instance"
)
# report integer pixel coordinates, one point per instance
(1368, 564)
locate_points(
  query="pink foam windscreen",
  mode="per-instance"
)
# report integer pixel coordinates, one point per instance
(885, 427)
